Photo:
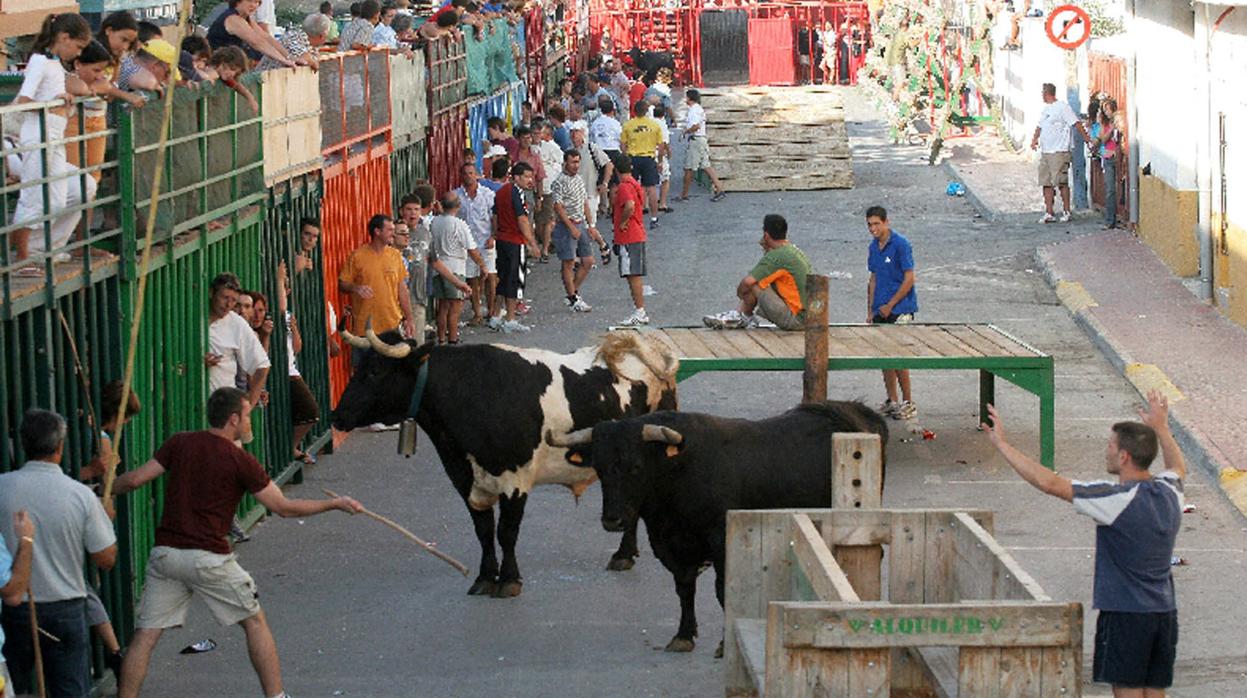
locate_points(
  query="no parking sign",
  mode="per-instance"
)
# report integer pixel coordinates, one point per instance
(1068, 26)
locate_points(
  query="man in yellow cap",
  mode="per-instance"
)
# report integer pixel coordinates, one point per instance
(154, 66)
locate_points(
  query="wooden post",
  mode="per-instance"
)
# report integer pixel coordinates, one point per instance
(814, 380)
(856, 483)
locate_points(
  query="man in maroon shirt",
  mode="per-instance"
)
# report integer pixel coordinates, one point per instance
(628, 207)
(513, 235)
(208, 476)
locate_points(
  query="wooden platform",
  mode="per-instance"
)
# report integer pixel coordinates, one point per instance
(25, 292)
(983, 348)
(778, 138)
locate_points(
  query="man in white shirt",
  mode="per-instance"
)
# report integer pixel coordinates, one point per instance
(266, 16)
(476, 208)
(552, 160)
(452, 245)
(697, 155)
(596, 169)
(605, 130)
(232, 344)
(1052, 139)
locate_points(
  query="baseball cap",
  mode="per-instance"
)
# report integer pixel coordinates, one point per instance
(578, 125)
(495, 151)
(164, 52)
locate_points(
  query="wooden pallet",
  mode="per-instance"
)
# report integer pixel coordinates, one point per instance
(778, 138)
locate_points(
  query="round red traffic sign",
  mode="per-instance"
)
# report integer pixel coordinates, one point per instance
(1068, 26)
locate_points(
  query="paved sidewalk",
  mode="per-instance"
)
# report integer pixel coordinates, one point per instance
(1000, 184)
(1161, 336)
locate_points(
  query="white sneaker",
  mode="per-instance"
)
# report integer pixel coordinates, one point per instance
(887, 408)
(1048, 218)
(1065, 216)
(638, 317)
(905, 410)
(648, 290)
(494, 323)
(511, 326)
(580, 306)
(61, 257)
(382, 426)
(729, 320)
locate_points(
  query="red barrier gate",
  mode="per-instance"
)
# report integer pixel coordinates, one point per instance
(351, 198)
(448, 136)
(535, 53)
(772, 52)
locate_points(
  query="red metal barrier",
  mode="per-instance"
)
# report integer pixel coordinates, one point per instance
(809, 19)
(535, 53)
(772, 51)
(351, 197)
(448, 136)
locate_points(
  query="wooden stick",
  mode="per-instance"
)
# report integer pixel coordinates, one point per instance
(814, 379)
(34, 635)
(411, 536)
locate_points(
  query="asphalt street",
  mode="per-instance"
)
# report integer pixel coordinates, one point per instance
(359, 611)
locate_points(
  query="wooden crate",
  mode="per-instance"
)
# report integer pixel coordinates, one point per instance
(777, 138)
(807, 612)
(409, 98)
(22, 17)
(290, 104)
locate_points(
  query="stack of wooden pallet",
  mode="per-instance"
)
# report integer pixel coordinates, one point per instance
(775, 138)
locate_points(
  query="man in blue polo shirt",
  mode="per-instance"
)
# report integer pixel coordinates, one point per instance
(1137, 520)
(891, 299)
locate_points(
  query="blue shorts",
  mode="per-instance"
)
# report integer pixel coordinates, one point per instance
(645, 169)
(569, 249)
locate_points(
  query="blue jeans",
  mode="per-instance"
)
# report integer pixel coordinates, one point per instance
(66, 664)
(1110, 191)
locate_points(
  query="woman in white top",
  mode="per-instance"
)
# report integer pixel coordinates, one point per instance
(60, 40)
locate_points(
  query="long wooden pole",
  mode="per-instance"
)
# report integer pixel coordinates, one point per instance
(34, 636)
(814, 379)
(410, 536)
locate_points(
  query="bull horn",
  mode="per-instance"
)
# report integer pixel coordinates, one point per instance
(394, 351)
(661, 434)
(357, 342)
(580, 437)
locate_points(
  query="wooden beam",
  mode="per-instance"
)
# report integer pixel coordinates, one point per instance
(857, 483)
(981, 558)
(877, 625)
(814, 379)
(751, 643)
(815, 562)
(742, 597)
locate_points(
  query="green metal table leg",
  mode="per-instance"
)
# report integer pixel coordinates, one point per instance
(1047, 419)
(987, 393)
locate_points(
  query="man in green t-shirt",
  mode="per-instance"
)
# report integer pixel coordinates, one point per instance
(775, 287)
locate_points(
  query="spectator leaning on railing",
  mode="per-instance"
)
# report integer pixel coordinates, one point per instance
(237, 26)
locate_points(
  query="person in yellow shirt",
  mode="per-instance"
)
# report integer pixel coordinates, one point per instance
(641, 137)
(374, 277)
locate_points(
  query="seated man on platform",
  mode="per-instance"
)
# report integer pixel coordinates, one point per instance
(775, 287)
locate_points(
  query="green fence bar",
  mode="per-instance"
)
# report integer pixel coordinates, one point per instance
(408, 166)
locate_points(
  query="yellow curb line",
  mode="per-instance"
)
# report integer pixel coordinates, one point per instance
(1074, 296)
(1234, 484)
(1148, 377)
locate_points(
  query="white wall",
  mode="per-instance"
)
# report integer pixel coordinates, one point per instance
(1167, 126)
(1020, 75)
(1227, 76)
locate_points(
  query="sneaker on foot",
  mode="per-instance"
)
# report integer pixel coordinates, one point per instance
(905, 410)
(887, 408)
(719, 196)
(522, 308)
(1048, 218)
(638, 317)
(729, 320)
(494, 323)
(653, 222)
(580, 306)
(1065, 216)
(512, 326)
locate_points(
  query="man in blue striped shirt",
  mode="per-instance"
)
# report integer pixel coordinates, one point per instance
(1137, 519)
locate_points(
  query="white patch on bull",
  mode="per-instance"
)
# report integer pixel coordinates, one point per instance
(631, 357)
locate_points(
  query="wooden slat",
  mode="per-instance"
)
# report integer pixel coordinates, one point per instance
(742, 596)
(879, 624)
(1008, 579)
(854, 344)
(937, 586)
(1001, 341)
(667, 341)
(776, 568)
(836, 346)
(751, 643)
(867, 527)
(941, 665)
(963, 348)
(870, 672)
(1061, 671)
(817, 564)
(908, 336)
(906, 555)
(942, 342)
(1020, 672)
(839, 150)
(748, 344)
(791, 343)
(979, 673)
(881, 341)
(722, 348)
(689, 343)
(982, 345)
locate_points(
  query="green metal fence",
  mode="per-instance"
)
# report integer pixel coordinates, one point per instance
(408, 166)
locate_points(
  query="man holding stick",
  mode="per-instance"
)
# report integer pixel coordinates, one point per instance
(1137, 520)
(208, 476)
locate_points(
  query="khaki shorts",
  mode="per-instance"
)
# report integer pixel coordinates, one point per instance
(697, 155)
(174, 575)
(545, 214)
(773, 308)
(1054, 169)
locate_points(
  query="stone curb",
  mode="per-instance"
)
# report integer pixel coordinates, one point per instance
(1198, 449)
(995, 216)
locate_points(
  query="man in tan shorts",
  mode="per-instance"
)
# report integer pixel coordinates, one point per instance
(1052, 140)
(697, 155)
(207, 476)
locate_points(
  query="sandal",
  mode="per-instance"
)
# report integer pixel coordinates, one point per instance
(29, 272)
(306, 458)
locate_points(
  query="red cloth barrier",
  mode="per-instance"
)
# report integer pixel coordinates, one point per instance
(772, 52)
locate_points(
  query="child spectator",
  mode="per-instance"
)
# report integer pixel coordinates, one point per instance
(230, 63)
(194, 60)
(88, 80)
(119, 33)
(60, 40)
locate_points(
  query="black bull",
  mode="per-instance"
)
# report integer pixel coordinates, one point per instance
(681, 472)
(485, 408)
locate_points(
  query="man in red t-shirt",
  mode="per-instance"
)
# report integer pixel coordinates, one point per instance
(513, 235)
(629, 210)
(208, 476)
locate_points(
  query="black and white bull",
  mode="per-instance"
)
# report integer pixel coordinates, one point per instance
(680, 472)
(485, 408)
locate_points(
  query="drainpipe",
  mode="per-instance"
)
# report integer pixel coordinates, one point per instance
(1132, 93)
(1203, 147)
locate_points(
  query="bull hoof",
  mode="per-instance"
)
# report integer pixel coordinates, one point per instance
(679, 644)
(718, 654)
(507, 590)
(483, 587)
(620, 564)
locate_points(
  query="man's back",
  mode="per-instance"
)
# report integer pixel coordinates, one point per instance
(207, 476)
(784, 268)
(641, 136)
(604, 132)
(70, 522)
(1138, 524)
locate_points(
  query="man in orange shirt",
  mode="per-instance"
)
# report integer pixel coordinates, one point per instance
(374, 277)
(774, 288)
